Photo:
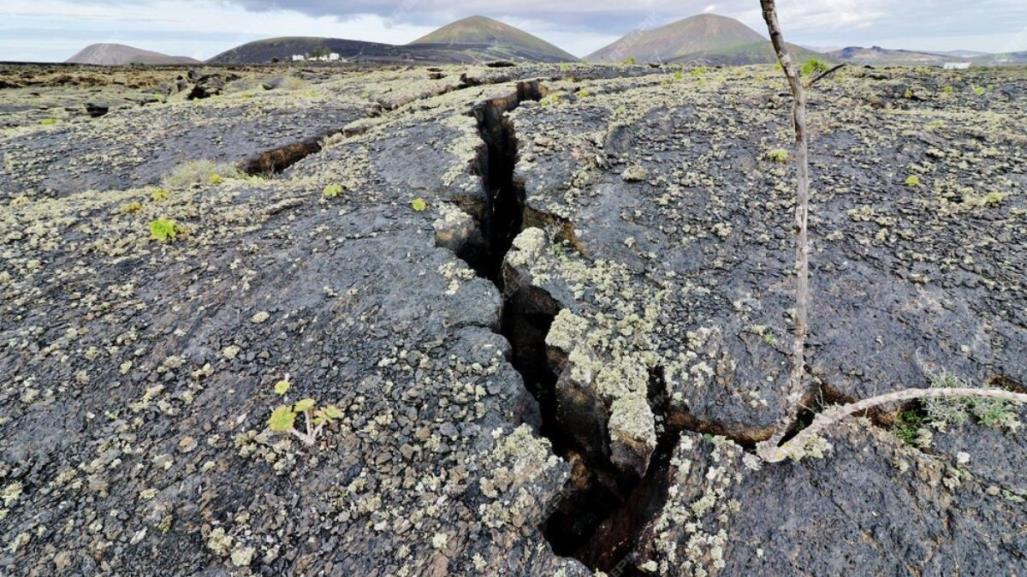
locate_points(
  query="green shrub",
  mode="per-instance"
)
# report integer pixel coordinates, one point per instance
(48, 121)
(912, 180)
(908, 426)
(131, 207)
(630, 61)
(419, 205)
(332, 191)
(550, 100)
(814, 66)
(164, 230)
(778, 155)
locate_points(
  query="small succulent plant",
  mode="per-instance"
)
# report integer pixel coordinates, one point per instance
(283, 417)
(164, 230)
(332, 191)
(778, 155)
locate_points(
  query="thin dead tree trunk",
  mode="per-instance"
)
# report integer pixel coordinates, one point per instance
(772, 450)
(796, 387)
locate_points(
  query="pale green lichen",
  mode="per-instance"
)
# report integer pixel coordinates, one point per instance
(219, 542)
(632, 432)
(701, 518)
(516, 465)
(527, 247)
(11, 493)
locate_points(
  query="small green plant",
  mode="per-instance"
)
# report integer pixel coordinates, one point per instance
(283, 417)
(48, 121)
(778, 155)
(814, 66)
(679, 75)
(995, 413)
(419, 205)
(159, 195)
(164, 230)
(994, 198)
(131, 207)
(908, 427)
(550, 100)
(947, 90)
(699, 71)
(766, 333)
(584, 93)
(332, 191)
(978, 90)
(630, 61)
(990, 412)
(912, 180)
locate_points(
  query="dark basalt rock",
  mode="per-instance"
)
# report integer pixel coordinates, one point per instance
(548, 370)
(206, 86)
(96, 110)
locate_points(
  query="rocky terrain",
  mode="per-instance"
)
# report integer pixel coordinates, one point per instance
(543, 311)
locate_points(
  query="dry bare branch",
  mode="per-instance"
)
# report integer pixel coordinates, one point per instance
(797, 447)
(825, 74)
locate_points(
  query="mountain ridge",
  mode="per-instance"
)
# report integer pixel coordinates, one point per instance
(703, 38)
(468, 40)
(478, 30)
(112, 54)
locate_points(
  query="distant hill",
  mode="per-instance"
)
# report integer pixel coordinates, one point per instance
(283, 49)
(706, 38)
(120, 55)
(474, 39)
(877, 56)
(499, 37)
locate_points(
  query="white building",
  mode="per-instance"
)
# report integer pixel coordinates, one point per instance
(298, 57)
(956, 65)
(333, 56)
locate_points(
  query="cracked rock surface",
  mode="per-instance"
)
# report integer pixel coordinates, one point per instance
(559, 374)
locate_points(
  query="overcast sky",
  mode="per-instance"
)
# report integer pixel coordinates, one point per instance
(53, 30)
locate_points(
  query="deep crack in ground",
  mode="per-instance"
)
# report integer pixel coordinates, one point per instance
(604, 510)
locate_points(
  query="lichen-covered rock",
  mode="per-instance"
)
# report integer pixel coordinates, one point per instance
(632, 433)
